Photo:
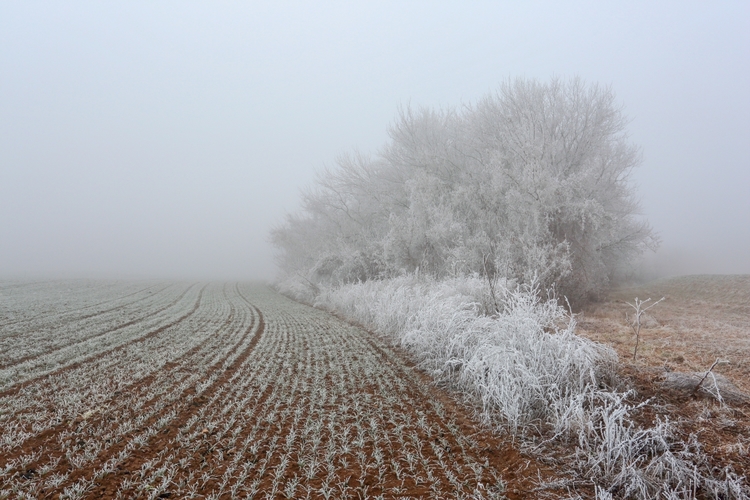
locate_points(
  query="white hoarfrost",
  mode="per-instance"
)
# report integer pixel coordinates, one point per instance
(249, 395)
(519, 356)
(523, 363)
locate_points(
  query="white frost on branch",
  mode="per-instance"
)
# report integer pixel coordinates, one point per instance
(533, 377)
(531, 181)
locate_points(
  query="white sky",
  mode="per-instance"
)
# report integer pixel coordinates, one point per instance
(164, 139)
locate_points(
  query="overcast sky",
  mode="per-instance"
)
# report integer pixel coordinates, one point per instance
(164, 139)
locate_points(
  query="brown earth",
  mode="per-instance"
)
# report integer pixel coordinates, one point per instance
(704, 320)
(244, 406)
(247, 423)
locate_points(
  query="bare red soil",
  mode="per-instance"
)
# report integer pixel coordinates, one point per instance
(701, 320)
(271, 400)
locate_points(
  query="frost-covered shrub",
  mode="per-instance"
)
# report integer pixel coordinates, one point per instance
(300, 289)
(520, 358)
(403, 304)
(521, 361)
(531, 182)
(636, 462)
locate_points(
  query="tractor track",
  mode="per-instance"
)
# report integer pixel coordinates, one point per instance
(185, 407)
(49, 315)
(271, 399)
(98, 355)
(80, 340)
(184, 404)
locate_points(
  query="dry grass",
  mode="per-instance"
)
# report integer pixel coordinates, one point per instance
(533, 377)
(703, 318)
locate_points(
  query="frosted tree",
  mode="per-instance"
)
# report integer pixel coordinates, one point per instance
(531, 182)
(560, 158)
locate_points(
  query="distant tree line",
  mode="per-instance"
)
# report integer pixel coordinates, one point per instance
(530, 182)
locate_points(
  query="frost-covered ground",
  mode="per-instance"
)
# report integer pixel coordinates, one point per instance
(224, 391)
(702, 318)
(519, 357)
(141, 390)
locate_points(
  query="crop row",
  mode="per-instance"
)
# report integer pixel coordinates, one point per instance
(54, 341)
(37, 304)
(122, 386)
(249, 395)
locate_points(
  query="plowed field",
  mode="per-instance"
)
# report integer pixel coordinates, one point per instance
(170, 390)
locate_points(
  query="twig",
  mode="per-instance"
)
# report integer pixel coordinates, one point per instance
(636, 325)
(314, 287)
(492, 283)
(704, 377)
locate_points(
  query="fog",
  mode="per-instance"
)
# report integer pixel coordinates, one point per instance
(165, 140)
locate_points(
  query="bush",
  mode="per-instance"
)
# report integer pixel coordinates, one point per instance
(518, 356)
(529, 183)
